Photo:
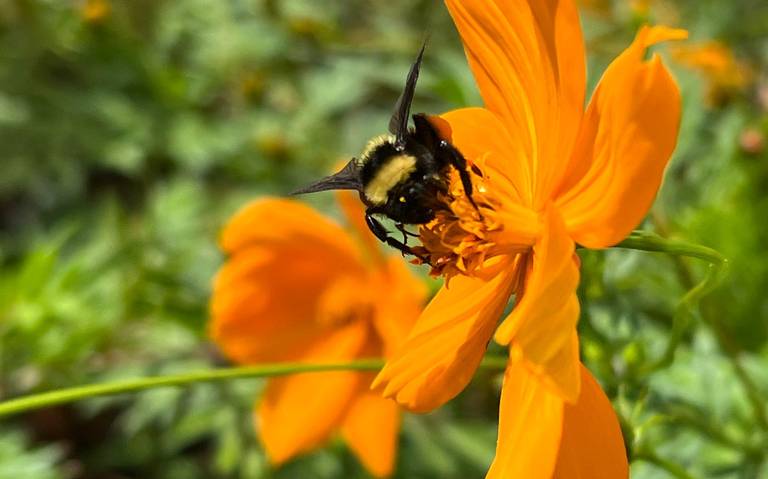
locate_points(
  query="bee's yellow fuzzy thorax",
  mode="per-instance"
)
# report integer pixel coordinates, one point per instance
(397, 169)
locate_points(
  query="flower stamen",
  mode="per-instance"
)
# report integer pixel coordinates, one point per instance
(462, 237)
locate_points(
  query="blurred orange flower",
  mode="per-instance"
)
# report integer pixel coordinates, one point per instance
(95, 10)
(548, 175)
(638, 8)
(600, 6)
(725, 74)
(297, 287)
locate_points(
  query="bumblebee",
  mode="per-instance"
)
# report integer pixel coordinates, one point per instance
(403, 174)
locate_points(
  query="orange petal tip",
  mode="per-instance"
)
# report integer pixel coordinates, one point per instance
(651, 35)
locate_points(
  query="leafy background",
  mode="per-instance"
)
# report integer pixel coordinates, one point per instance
(131, 129)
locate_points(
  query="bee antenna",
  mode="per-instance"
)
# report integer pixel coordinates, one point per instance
(346, 179)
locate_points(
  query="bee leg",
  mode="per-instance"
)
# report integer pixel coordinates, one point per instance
(383, 235)
(458, 161)
(401, 228)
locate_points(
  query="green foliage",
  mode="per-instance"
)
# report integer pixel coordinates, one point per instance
(17, 459)
(129, 138)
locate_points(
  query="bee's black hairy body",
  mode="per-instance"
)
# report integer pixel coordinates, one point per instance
(406, 184)
(403, 175)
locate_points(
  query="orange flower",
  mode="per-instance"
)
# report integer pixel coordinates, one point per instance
(297, 287)
(95, 10)
(547, 175)
(725, 74)
(600, 6)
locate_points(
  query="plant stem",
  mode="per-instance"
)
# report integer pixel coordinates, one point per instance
(68, 395)
(675, 470)
(718, 268)
(645, 241)
(638, 240)
(726, 343)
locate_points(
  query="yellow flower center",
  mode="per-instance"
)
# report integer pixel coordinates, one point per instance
(461, 238)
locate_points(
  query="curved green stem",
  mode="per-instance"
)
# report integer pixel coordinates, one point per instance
(675, 470)
(645, 241)
(637, 240)
(68, 395)
(718, 269)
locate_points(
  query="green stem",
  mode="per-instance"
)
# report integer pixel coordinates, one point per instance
(717, 272)
(637, 240)
(645, 241)
(675, 470)
(68, 395)
(718, 268)
(697, 420)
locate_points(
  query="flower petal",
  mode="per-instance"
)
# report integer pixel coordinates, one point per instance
(483, 139)
(530, 427)
(354, 212)
(448, 341)
(258, 312)
(405, 298)
(371, 429)
(529, 62)
(299, 412)
(542, 325)
(592, 444)
(271, 220)
(627, 137)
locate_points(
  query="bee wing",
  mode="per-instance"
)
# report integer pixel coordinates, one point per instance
(346, 179)
(398, 124)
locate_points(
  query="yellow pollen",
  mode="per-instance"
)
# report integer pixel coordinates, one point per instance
(460, 239)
